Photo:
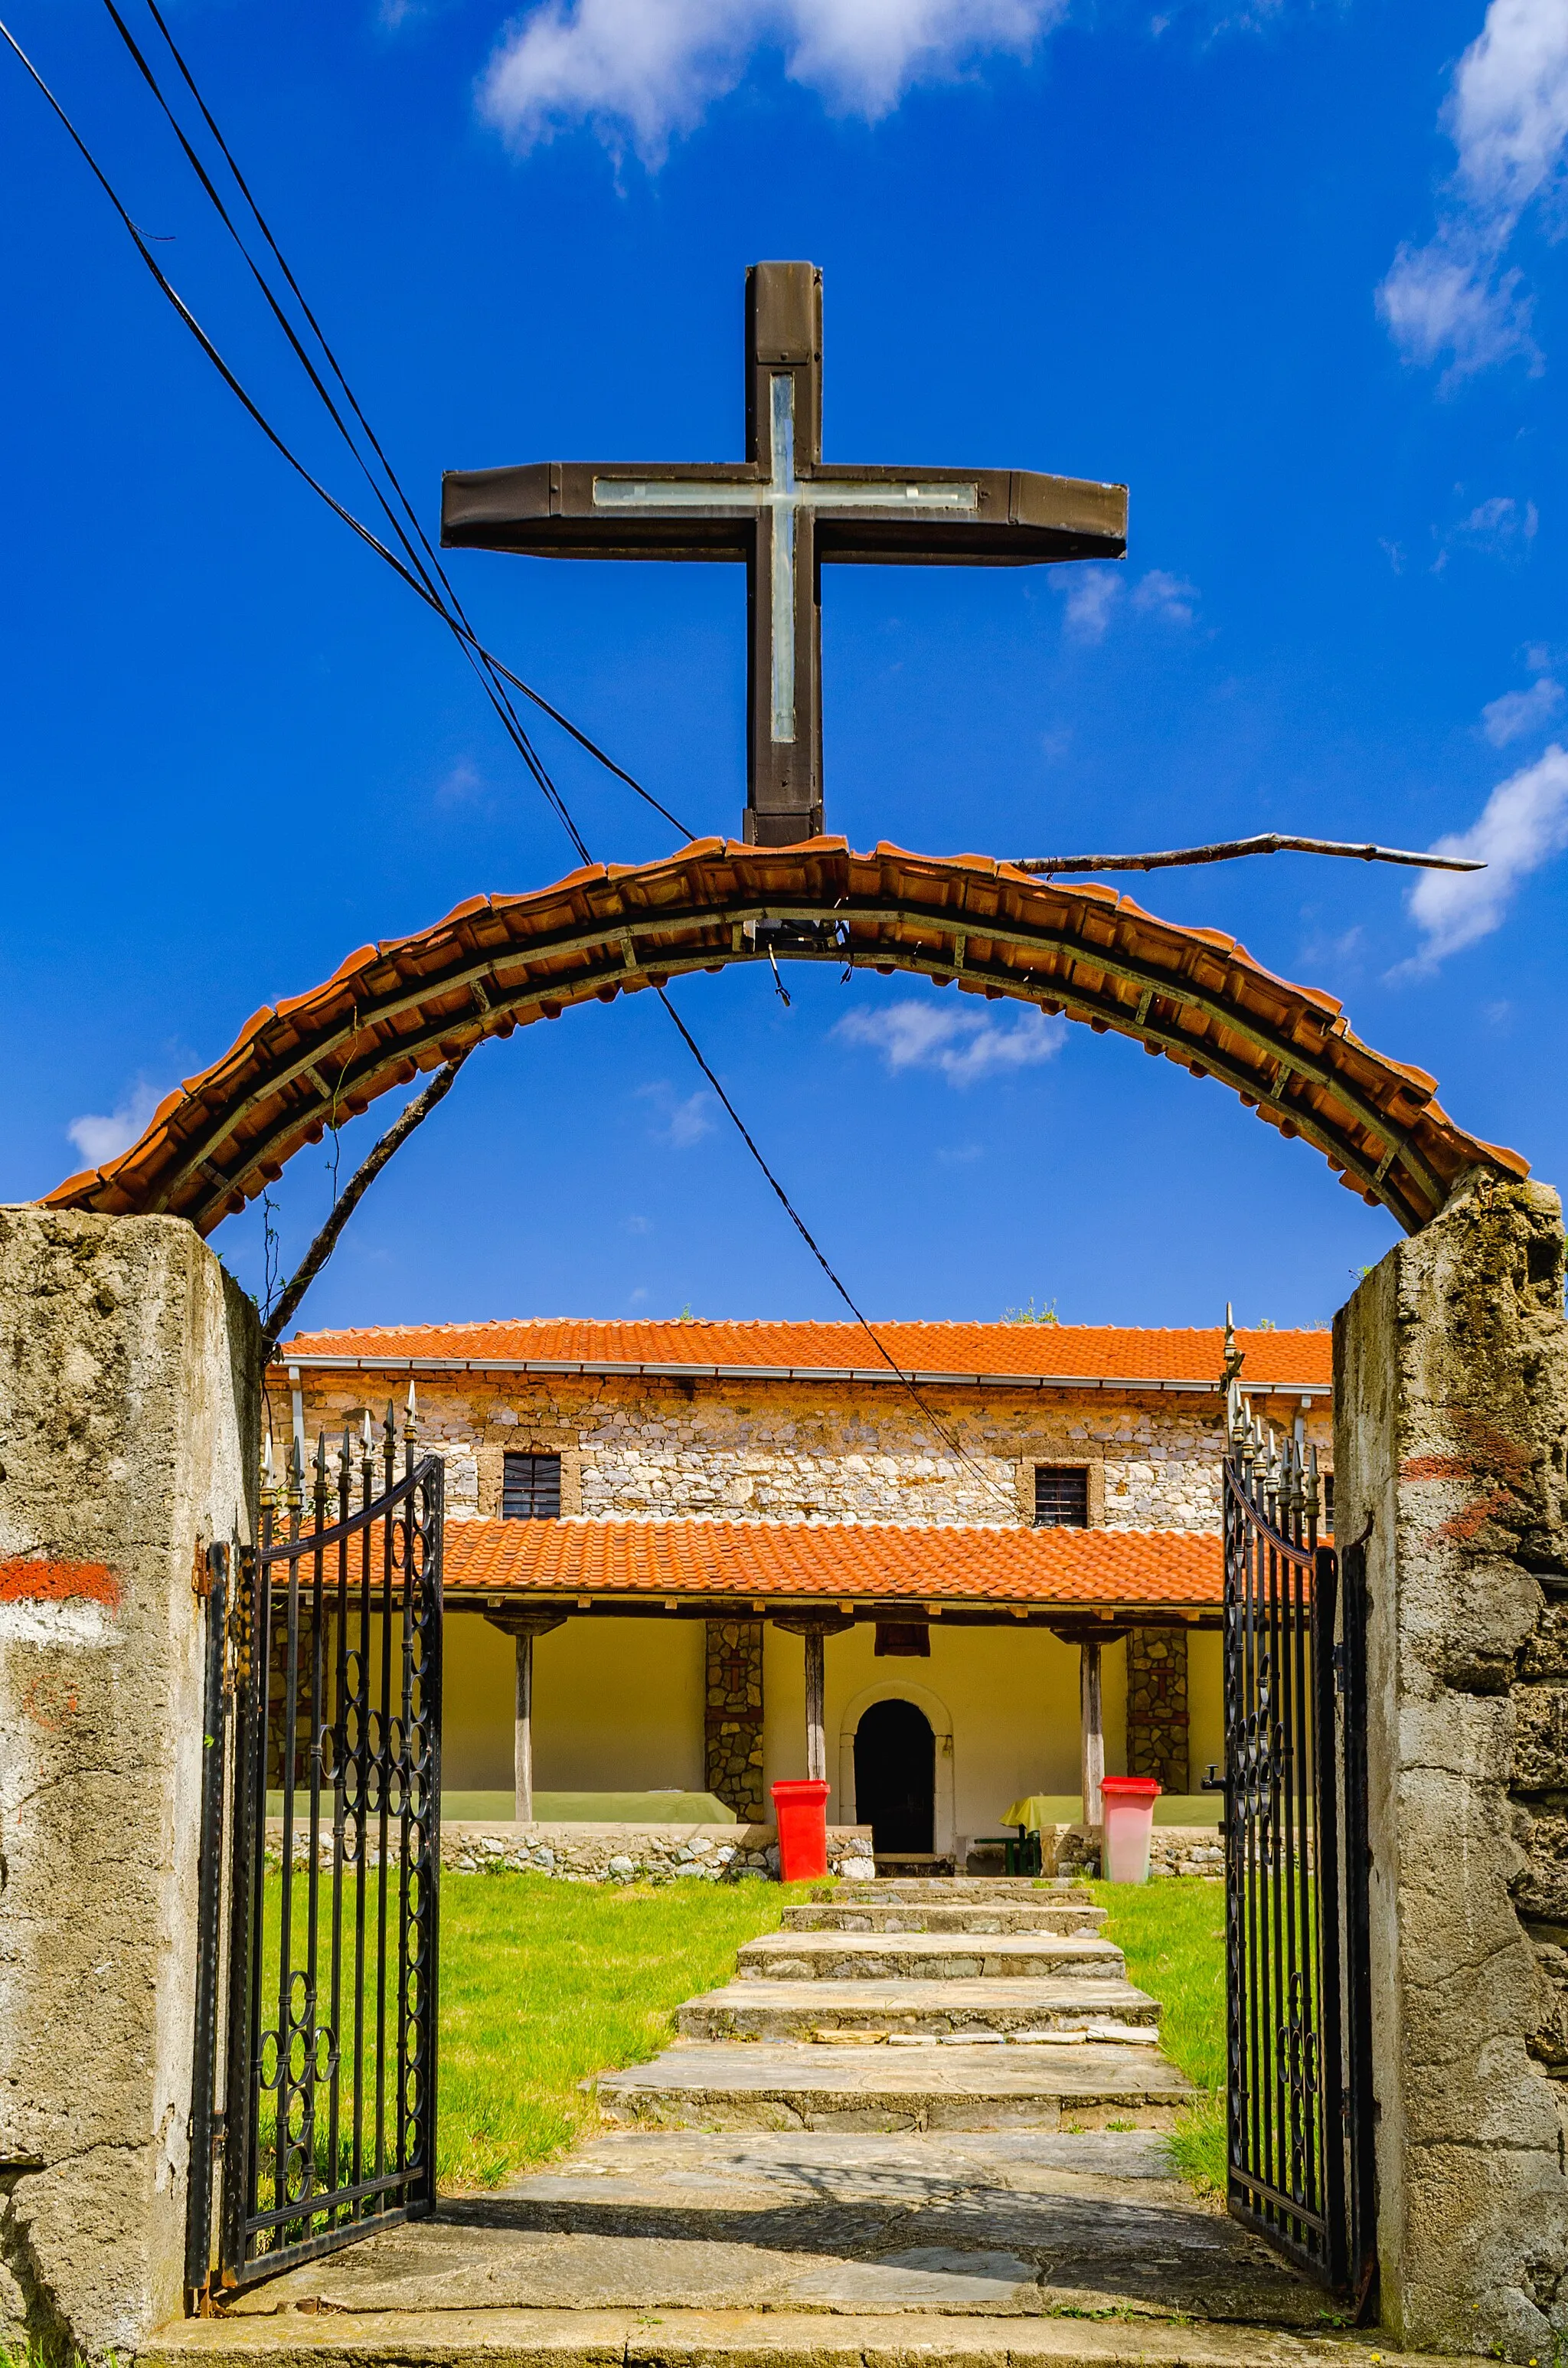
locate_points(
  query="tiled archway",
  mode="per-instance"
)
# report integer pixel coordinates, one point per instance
(496, 964)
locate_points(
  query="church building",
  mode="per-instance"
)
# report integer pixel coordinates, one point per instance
(685, 1558)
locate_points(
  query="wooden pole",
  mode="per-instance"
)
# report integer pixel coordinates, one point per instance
(816, 1738)
(1091, 1731)
(522, 1732)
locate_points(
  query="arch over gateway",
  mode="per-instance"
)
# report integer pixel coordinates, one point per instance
(496, 964)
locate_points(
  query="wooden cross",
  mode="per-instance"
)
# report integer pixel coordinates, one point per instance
(783, 510)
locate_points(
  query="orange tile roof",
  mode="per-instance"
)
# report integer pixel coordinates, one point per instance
(836, 1561)
(1031, 1353)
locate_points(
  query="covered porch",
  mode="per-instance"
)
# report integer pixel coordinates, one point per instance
(933, 1676)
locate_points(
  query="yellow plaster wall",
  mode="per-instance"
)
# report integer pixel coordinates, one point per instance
(618, 1706)
(1010, 1698)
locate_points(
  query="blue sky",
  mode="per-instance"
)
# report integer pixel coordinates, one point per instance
(1291, 271)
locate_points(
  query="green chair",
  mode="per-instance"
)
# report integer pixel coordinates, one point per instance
(1019, 1855)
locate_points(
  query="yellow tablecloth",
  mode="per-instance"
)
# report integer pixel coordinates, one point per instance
(1031, 1813)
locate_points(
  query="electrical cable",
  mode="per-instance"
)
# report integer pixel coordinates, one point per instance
(281, 446)
(412, 575)
(806, 1235)
(448, 595)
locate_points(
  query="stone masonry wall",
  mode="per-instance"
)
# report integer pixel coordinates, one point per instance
(802, 1451)
(1157, 1706)
(733, 1714)
(1451, 1374)
(129, 1399)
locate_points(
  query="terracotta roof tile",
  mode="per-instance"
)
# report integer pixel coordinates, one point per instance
(495, 964)
(1033, 1351)
(853, 1562)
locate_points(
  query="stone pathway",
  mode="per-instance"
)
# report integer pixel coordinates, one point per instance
(924, 2103)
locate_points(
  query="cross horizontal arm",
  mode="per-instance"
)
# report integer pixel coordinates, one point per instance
(583, 509)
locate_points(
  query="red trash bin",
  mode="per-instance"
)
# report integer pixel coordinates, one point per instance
(799, 1804)
(1128, 1809)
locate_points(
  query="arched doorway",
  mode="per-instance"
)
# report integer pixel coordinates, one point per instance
(896, 1778)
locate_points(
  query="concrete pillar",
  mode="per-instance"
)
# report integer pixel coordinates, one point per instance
(1091, 1730)
(1452, 1427)
(129, 1401)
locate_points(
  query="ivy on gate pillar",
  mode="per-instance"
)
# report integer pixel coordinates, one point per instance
(733, 1716)
(1451, 1429)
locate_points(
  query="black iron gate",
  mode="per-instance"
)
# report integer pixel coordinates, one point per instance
(1299, 2119)
(314, 2118)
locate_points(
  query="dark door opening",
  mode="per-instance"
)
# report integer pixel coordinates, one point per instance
(896, 1778)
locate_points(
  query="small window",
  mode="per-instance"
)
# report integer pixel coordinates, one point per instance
(1327, 1478)
(1061, 1496)
(903, 1636)
(530, 1489)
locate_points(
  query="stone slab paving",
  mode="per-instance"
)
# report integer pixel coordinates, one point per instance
(1001, 2225)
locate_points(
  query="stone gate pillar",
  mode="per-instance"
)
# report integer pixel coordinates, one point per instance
(129, 1385)
(1451, 1423)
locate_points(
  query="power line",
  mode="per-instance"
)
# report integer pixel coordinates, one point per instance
(448, 597)
(417, 578)
(807, 1236)
(423, 589)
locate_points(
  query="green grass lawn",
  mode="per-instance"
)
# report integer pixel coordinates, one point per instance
(1173, 1935)
(543, 1983)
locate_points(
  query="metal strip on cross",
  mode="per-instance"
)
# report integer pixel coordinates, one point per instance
(784, 511)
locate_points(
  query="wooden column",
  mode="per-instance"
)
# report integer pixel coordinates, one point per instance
(1091, 1730)
(523, 1731)
(816, 1738)
(523, 1627)
(814, 1627)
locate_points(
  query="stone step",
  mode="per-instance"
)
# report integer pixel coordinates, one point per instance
(956, 1890)
(791, 2084)
(764, 2009)
(925, 1956)
(630, 2337)
(996, 1915)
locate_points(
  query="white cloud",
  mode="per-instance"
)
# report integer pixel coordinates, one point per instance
(1504, 528)
(679, 1123)
(104, 1138)
(1169, 596)
(1520, 712)
(1092, 594)
(1506, 114)
(1523, 823)
(643, 70)
(461, 784)
(963, 1044)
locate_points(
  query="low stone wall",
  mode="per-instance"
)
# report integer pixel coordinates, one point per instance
(1075, 1850)
(616, 1854)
